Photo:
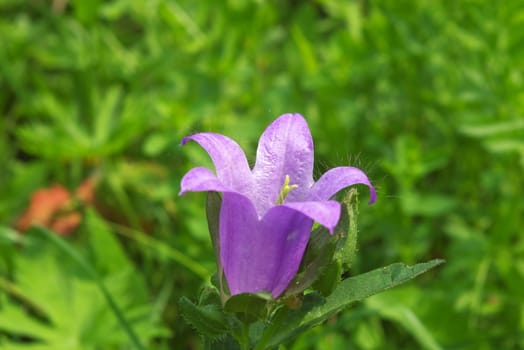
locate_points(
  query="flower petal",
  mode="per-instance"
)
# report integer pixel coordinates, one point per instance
(285, 148)
(244, 252)
(229, 159)
(260, 255)
(338, 178)
(326, 213)
(201, 179)
(288, 231)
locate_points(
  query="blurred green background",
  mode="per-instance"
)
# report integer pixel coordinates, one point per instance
(426, 96)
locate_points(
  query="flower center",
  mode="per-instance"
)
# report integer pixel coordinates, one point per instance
(286, 188)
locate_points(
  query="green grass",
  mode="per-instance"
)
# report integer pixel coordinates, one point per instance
(425, 96)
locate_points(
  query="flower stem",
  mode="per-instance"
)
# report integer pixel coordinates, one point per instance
(274, 325)
(244, 341)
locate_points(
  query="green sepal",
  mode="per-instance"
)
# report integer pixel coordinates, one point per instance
(318, 255)
(213, 204)
(324, 249)
(209, 295)
(329, 280)
(249, 307)
(347, 230)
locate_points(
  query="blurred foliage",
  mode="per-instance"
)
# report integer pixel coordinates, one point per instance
(53, 305)
(425, 96)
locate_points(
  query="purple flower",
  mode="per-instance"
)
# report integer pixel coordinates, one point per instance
(267, 212)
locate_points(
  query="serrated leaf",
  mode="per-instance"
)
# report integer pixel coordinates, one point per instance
(317, 309)
(209, 320)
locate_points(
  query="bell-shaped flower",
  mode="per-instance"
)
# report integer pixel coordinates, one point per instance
(267, 212)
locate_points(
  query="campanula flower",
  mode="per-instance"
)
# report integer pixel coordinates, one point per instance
(267, 212)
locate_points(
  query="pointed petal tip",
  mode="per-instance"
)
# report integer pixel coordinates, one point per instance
(230, 162)
(184, 140)
(195, 137)
(373, 194)
(338, 178)
(201, 179)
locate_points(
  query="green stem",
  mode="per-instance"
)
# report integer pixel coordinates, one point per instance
(244, 345)
(241, 335)
(268, 333)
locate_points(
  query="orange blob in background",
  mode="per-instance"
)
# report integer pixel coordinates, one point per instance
(56, 208)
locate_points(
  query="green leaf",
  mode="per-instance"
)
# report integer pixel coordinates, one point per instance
(86, 11)
(317, 309)
(66, 248)
(209, 320)
(54, 303)
(105, 116)
(9, 236)
(15, 321)
(390, 306)
(347, 230)
(494, 128)
(107, 251)
(224, 343)
(306, 49)
(427, 205)
(156, 144)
